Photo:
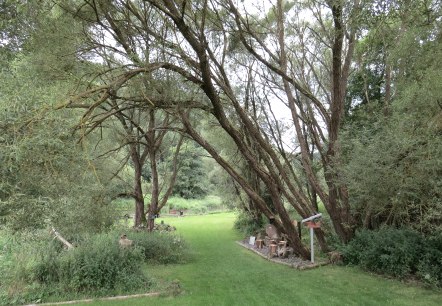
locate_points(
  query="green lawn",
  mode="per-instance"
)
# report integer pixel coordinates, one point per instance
(223, 273)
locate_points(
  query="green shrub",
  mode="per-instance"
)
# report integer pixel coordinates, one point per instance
(429, 268)
(397, 252)
(97, 265)
(161, 248)
(246, 224)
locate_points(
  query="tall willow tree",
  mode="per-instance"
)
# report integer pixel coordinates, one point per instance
(46, 177)
(195, 40)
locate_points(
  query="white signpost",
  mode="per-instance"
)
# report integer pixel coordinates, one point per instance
(312, 222)
(252, 240)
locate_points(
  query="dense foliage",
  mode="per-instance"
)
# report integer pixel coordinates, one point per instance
(393, 152)
(192, 182)
(247, 224)
(38, 267)
(46, 177)
(397, 252)
(392, 148)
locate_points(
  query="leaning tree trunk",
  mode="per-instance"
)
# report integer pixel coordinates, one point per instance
(284, 224)
(168, 193)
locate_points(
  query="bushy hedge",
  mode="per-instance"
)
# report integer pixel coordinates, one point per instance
(397, 252)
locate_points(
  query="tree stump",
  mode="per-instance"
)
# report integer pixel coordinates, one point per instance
(282, 249)
(272, 250)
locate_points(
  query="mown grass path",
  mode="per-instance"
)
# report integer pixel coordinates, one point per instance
(223, 273)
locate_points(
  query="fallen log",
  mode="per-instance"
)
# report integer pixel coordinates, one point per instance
(61, 239)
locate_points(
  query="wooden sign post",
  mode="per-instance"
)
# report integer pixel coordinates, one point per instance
(312, 222)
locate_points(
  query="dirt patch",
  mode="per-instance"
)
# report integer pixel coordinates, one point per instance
(291, 260)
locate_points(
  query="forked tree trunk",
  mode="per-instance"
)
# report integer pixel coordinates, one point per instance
(139, 218)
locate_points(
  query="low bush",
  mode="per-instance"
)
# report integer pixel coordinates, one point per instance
(247, 225)
(429, 268)
(397, 252)
(161, 247)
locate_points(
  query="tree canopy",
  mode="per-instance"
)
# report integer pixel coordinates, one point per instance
(331, 106)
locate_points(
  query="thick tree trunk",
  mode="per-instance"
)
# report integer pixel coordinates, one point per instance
(155, 189)
(337, 204)
(339, 209)
(153, 207)
(138, 161)
(140, 218)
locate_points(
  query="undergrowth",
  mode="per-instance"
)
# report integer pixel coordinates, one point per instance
(37, 268)
(401, 253)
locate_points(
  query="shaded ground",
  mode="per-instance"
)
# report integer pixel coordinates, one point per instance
(224, 273)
